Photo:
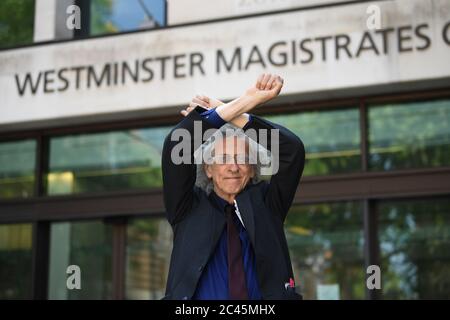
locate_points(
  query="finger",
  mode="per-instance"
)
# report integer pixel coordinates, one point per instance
(278, 81)
(184, 112)
(281, 80)
(259, 80)
(278, 85)
(271, 82)
(201, 103)
(190, 108)
(196, 102)
(205, 98)
(265, 80)
(192, 104)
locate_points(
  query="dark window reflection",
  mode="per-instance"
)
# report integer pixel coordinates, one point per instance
(326, 244)
(411, 135)
(111, 16)
(106, 161)
(87, 245)
(415, 249)
(17, 166)
(149, 244)
(331, 139)
(15, 261)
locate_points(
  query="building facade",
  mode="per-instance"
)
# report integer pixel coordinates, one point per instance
(83, 115)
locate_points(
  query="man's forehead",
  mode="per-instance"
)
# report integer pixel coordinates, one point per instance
(231, 143)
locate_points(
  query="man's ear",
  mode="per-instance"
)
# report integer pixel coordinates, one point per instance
(207, 169)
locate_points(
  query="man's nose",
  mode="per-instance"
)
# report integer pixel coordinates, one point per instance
(233, 167)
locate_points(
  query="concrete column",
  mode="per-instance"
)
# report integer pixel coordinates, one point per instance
(50, 20)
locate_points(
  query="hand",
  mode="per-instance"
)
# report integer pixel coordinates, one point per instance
(203, 101)
(267, 87)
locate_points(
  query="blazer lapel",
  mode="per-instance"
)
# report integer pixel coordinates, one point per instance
(217, 225)
(246, 210)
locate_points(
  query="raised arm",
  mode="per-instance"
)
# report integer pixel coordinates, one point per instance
(289, 151)
(179, 178)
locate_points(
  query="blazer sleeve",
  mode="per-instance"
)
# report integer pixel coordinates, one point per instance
(283, 184)
(179, 178)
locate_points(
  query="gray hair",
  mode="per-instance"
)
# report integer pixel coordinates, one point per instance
(259, 156)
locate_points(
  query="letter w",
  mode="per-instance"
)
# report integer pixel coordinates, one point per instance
(28, 81)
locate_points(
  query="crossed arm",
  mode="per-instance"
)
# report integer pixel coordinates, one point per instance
(266, 88)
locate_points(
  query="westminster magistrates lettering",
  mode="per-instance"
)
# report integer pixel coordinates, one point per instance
(291, 52)
(111, 74)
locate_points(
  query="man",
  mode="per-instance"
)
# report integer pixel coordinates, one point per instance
(229, 240)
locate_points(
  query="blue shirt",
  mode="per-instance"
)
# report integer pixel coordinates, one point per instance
(213, 283)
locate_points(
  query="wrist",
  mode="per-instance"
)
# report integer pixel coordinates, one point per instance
(237, 107)
(251, 100)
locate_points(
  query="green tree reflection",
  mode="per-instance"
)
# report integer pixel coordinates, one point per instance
(326, 245)
(412, 135)
(101, 11)
(16, 22)
(331, 139)
(414, 238)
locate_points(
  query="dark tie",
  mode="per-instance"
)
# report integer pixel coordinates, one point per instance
(236, 275)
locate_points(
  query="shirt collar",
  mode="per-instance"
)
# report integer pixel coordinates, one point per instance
(218, 201)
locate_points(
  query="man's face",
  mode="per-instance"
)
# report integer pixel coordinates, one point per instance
(230, 176)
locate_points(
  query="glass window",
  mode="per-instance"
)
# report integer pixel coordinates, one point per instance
(111, 16)
(149, 244)
(326, 245)
(409, 135)
(17, 166)
(87, 245)
(106, 161)
(16, 22)
(331, 139)
(414, 241)
(15, 261)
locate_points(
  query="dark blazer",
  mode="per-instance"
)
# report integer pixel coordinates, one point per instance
(197, 224)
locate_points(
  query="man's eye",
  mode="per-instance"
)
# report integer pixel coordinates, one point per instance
(229, 159)
(223, 159)
(242, 159)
